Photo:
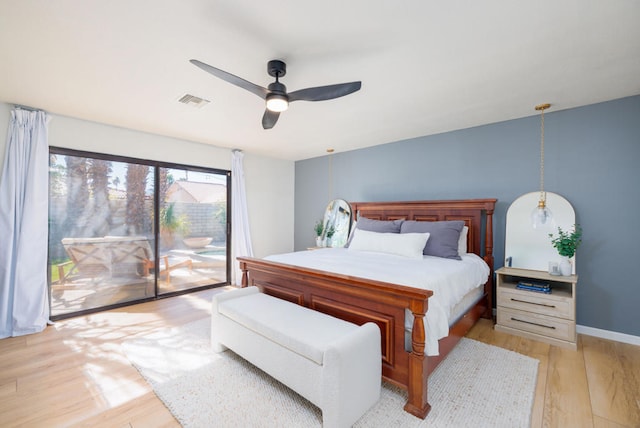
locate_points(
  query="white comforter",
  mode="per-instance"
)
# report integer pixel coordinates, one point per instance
(450, 280)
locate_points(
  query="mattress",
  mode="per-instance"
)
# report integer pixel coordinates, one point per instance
(456, 284)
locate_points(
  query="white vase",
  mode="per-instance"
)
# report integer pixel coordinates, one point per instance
(565, 266)
(319, 241)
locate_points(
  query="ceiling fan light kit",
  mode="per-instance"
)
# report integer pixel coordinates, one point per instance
(275, 95)
(277, 102)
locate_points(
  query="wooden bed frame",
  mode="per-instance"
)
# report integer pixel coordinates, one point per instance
(362, 300)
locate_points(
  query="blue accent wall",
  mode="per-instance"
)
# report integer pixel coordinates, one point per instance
(592, 158)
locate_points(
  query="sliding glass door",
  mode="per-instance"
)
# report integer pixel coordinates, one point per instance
(193, 229)
(125, 230)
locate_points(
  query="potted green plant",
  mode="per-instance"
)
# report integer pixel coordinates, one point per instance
(567, 243)
(319, 230)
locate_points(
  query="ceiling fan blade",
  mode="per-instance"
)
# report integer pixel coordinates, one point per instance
(269, 119)
(234, 80)
(322, 93)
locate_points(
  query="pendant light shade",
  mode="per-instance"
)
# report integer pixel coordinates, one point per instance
(541, 216)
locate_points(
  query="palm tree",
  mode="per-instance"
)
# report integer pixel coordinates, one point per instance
(77, 195)
(164, 185)
(98, 171)
(57, 177)
(136, 184)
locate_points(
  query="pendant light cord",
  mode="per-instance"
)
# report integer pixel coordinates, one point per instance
(542, 108)
(542, 195)
(330, 178)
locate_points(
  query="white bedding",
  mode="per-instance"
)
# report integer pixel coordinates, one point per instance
(450, 280)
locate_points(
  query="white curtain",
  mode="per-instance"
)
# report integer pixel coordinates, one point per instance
(24, 190)
(240, 234)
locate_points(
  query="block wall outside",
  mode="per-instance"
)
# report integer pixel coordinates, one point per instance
(204, 220)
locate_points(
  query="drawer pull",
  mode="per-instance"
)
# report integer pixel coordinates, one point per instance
(533, 303)
(533, 323)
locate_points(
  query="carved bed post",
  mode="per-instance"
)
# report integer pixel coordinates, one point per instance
(245, 275)
(488, 258)
(417, 403)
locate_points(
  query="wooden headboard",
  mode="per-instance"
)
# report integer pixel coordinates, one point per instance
(477, 215)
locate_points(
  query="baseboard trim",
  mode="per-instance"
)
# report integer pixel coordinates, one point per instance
(610, 335)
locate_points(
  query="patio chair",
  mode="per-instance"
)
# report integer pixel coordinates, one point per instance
(130, 255)
(133, 254)
(89, 256)
(114, 256)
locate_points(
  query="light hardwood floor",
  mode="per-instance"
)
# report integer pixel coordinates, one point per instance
(74, 373)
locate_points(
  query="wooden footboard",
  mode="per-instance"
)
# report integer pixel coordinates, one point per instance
(359, 301)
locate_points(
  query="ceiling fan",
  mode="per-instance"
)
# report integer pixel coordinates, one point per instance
(275, 95)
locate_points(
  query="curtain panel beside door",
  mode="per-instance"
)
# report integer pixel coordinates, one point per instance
(24, 306)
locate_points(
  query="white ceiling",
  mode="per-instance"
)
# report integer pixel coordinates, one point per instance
(426, 66)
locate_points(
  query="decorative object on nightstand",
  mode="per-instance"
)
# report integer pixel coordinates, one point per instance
(319, 231)
(567, 243)
(539, 315)
(554, 268)
(537, 286)
(337, 223)
(329, 234)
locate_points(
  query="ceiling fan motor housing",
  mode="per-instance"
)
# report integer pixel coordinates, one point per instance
(276, 68)
(277, 88)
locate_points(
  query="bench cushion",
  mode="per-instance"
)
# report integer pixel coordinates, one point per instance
(301, 330)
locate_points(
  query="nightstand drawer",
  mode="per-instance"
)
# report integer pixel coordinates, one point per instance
(539, 324)
(539, 303)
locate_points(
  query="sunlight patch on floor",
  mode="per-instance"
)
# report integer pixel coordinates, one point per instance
(112, 388)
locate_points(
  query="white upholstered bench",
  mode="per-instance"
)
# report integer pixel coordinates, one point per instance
(333, 363)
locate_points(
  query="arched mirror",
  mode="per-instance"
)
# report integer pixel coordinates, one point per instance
(529, 248)
(337, 223)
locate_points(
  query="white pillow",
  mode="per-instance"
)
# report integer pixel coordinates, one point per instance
(462, 241)
(400, 244)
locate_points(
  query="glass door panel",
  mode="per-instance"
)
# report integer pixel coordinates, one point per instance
(193, 229)
(101, 237)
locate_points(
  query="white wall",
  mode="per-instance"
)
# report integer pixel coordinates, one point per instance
(269, 181)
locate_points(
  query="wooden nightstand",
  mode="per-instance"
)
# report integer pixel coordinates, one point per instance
(548, 318)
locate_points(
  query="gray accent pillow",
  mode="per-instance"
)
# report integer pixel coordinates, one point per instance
(380, 226)
(443, 239)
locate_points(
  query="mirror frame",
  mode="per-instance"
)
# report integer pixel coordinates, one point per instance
(338, 215)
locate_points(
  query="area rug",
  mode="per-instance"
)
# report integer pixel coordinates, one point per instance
(477, 385)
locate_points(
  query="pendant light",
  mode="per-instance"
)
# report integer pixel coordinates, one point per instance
(541, 215)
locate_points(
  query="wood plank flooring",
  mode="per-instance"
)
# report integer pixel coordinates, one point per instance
(74, 373)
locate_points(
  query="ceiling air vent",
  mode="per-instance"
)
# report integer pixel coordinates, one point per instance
(192, 100)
